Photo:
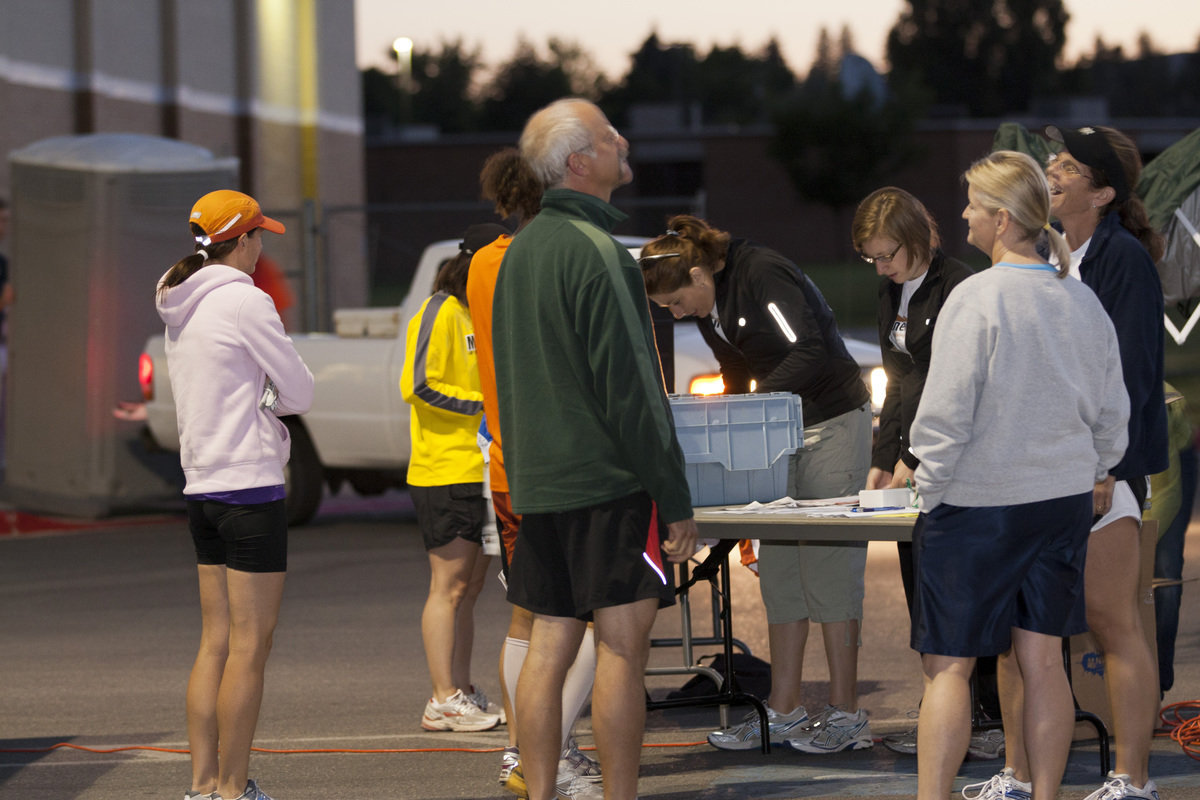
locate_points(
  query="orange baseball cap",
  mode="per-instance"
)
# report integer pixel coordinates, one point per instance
(226, 214)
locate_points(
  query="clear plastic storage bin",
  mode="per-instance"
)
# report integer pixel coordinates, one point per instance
(735, 445)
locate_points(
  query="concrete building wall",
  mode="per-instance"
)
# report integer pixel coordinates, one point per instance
(272, 83)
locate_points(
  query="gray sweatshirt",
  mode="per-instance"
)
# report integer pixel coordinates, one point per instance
(1025, 399)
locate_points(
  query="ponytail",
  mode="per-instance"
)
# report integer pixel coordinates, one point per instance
(188, 266)
(1131, 209)
(1135, 220)
(1060, 250)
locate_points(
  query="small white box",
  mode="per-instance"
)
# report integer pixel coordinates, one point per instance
(884, 498)
(367, 323)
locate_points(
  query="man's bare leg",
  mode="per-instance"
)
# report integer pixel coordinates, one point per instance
(553, 645)
(619, 696)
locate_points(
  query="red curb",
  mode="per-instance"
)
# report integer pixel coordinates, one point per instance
(22, 523)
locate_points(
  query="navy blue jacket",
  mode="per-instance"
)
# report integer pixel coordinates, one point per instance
(1121, 273)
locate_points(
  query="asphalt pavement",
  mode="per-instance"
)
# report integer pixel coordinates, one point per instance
(99, 625)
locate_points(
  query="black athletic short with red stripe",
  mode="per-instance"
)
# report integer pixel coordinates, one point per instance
(569, 563)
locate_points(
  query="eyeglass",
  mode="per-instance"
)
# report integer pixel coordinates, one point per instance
(881, 259)
(1068, 167)
(647, 261)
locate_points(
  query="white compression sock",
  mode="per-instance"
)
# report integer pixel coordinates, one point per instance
(514, 656)
(578, 684)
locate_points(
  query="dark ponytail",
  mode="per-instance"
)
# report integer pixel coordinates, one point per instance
(188, 266)
(1132, 210)
(1135, 220)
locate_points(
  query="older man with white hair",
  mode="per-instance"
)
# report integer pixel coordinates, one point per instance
(590, 449)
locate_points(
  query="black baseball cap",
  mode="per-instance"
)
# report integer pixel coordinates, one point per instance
(481, 235)
(1090, 146)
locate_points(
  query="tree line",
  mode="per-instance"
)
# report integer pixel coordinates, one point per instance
(837, 130)
(965, 58)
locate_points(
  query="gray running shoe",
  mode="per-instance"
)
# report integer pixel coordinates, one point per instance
(986, 745)
(480, 699)
(905, 742)
(832, 731)
(747, 736)
(252, 793)
(579, 762)
(570, 786)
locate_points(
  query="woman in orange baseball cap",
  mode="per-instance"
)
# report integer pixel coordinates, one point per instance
(233, 373)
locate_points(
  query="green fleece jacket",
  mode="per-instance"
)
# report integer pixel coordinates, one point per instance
(582, 405)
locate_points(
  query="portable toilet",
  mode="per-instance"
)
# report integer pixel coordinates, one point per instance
(96, 220)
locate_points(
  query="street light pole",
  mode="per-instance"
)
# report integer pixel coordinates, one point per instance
(403, 47)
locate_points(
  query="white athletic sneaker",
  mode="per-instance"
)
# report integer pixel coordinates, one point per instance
(510, 772)
(570, 786)
(999, 787)
(832, 731)
(1118, 786)
(747, 736)
(458, 713)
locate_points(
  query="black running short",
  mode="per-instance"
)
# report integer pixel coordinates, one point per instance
(249, 538)
(446, 513)
(569, 563)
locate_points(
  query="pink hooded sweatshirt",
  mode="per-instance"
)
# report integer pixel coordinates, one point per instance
(224, 340)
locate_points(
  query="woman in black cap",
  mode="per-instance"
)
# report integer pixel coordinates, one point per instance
(1113, 250)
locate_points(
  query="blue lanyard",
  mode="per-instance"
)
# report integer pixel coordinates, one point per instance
(1041, 267)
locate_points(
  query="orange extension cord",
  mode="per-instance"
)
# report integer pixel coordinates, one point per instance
(1181, 722)
(107, 750)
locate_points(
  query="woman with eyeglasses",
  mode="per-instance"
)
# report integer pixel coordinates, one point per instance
(772, 331)
(893, 232)
(1113, 250)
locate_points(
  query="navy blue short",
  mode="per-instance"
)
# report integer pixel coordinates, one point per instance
(569, 563)
(250, 537)
(446, 513)
(981, 571)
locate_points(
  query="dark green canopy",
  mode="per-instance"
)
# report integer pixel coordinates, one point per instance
(1014, 136)
(1168, 179)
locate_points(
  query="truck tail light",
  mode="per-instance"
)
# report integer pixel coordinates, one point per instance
(706, 384)
(146, 376)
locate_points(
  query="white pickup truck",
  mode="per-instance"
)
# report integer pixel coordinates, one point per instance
(357, 430)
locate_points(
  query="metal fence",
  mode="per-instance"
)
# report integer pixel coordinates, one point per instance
(348, 255)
